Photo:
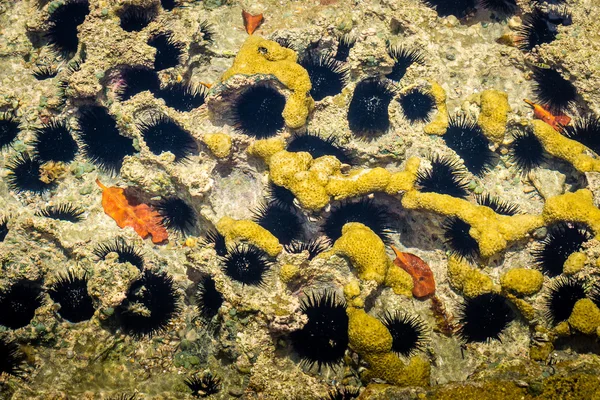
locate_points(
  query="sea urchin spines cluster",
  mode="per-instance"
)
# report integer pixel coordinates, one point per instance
(218, 241)
(208, 298)
(314, 247)
(70, 291)
(527, 152)
(417, 105)
(9, 129)
(130, 80)
(403, 58)
(342, 393)
(538, 28)
(503, 7)
(177, 215)
(458, 240)
(25, 175)
(409, 333)
(285, 224)
(458, 8)
(151, 303)
(324, 338)
(499, 206)
(280, 196)
(466, 138)
(183, 96)
(18, 303)
(258, 111)
(63, 212)
(203, 386)
(246, 264)
(327, 75)
(168, 50)
(368, 113)
(11, 358)
(561, 298)
(317, 146)
(445, 176)
(552, 90)
(125, 252)
(562, 240)
(101, 140)
(63, 23)
(365, 211)
(345, 44)
(586, 131)
(54, 142)
(43, 72)
(484, 317)
(162, 134)
(135, 17)
(3, 228)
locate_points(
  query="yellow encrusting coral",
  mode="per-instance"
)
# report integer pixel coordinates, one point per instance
(288, 272)
(358, 183)
(575, 207)
(250, 232)
(404, 180)
(439, 123)
(261, 56)
(522, 281)
(585, 317)
(574, 263)
(218, 143)
(470, 281)
(494, 114)
(266, 148)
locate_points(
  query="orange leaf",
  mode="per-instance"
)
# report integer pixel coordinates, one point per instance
(252, 22)
(557, 121)
(423, 282)
(142, 218)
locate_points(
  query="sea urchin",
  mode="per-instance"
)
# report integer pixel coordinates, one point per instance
(246, 264)
(257, 111)
(70, 291)
(484, 317)
(18, 303)
(368, 111)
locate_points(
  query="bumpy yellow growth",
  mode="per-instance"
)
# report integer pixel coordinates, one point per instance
(219, 144)
(494, 114)
(404, 180)
(358, 183)
(470, 281)
(250, 232)
(373, 342)
(288, 272)
(522, 281)
(574, 263)
(565, 148)
(261, 56)
(585, 317)
(266, 148)
(574, 207)
(439, 124)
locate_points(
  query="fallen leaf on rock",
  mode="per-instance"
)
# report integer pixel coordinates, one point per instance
(423, 282)
(252, 22)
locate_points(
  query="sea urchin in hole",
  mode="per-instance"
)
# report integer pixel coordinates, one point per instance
(43, 72)
(445, 176)
(345, 44)
(18, 303)
(54, 142)
(552, 90)
(537, 29)
(63, 23)
(460, 243)
(257, 111)
(458, 8)
(498, 205)
(133, 79)
(208, 298)
(203, 386)
(246, 264)
(182, 96)
(218, 241)
(586, 131)
(504, 7)
(484, 317)
(317, 146)
(207, 30)
(403, 58)
(134, 18)
(101, 141)
(63, 212)
(342, 393)
(327, 75)
(417, 105)
(314, 247)
(168, 51)
(25, 175)
(11, 358)
(125, 252)
(368, 111)
(282, 222)
(70, 291)
(151, 302)
(163, 134)
(563, 294)
(526, 150)
(366, 211)
(409, 333)
(280, 196)
(177, 214)
(9, 129)
(466, 138)
(324, 338)
(562, 240)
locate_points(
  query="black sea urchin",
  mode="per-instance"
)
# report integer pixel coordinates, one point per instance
(9, 129)
(366, 211)
(538, 28)
(327, 75)
(168, 4)
(409, 333)
(586, 131)
(324, 338)
(134, 79)
(526, 151)
(218, 241)
(208, 298)
(63, 23)
(246, 264)
(282, 222)
(368, 111)
(124, 396)
(280, 196)
(182, 96)
(11, 358)
(552, 90)
(163, 134)
(257, 111)
(25, 175)
(63, 212)
(18, 303)
(177, 214)
(207, 30)
(484, 318)
(314, 247)
(151, 303)
(458, 8)
(562, 240)
(445, 176)
(70, 291)
(460, 243)
(342, 393)
(500, 206)
(203, 386)
(504, 7)
(126, 252)
(3, 228)
(43, 72)
(54, 142)
(317, 146)
(417, 105)
(134, 18)
(466, 138)
(101, 141)
(345, 44)
(168, 50)
(594, 293)
(403, 58)
(563, 294)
